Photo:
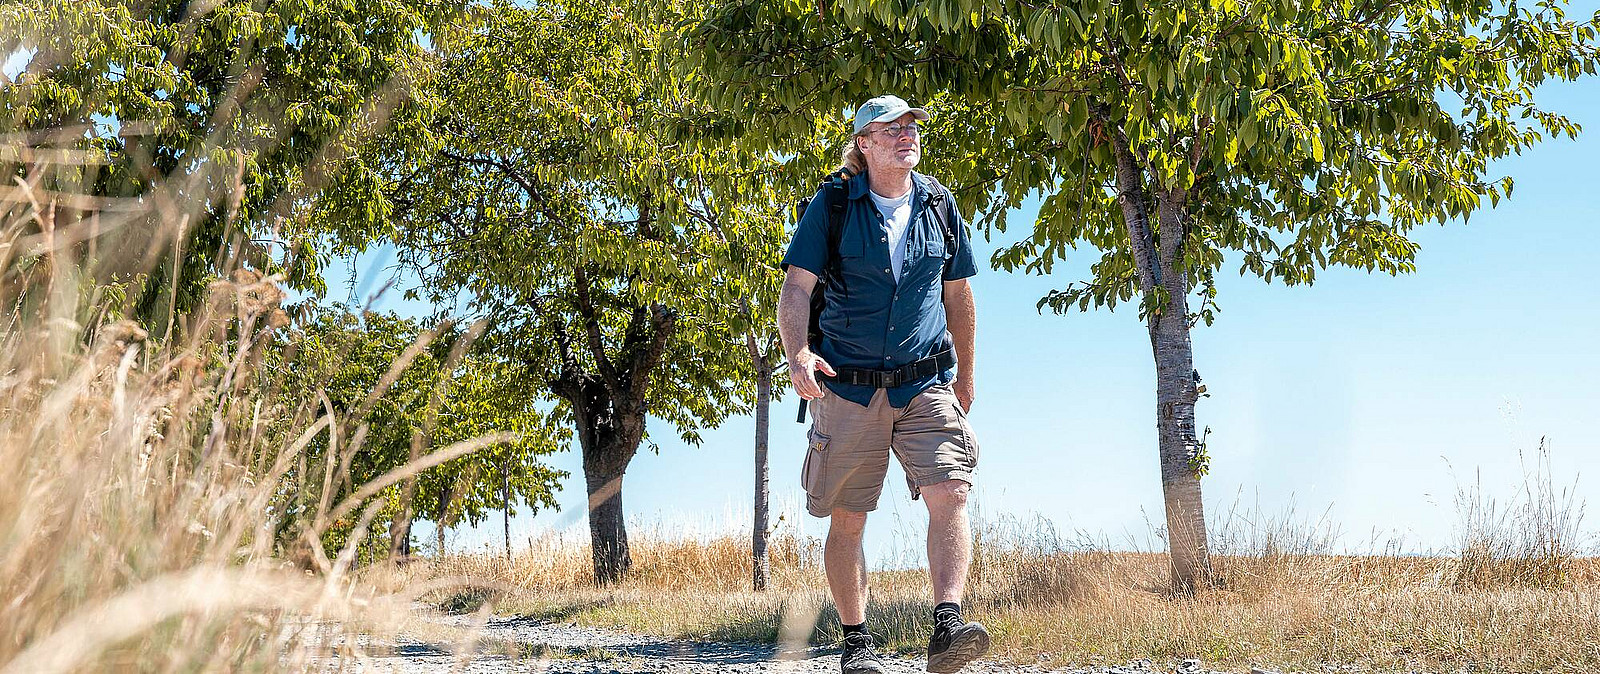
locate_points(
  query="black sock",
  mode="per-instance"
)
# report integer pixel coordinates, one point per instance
(947, 608)
(854, 629)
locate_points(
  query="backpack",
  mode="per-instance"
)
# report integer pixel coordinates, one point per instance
(835, 196)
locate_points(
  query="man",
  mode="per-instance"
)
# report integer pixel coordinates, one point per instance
(895, 363)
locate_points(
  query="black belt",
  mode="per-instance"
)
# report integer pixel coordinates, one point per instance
(926, 367)
(899, 376)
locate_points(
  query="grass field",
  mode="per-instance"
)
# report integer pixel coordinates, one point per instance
(1281, 601)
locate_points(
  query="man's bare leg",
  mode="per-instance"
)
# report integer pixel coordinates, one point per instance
(846, 565)
(955, 642)
(949, 539)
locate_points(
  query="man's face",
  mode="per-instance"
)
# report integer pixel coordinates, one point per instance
(892, 145)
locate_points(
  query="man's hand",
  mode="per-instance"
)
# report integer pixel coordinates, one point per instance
(803, 370)
(965, 390)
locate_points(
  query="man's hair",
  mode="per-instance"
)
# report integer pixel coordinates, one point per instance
(851, 159)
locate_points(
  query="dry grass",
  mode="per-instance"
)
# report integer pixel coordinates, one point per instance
(139, 517)
(1531, 541)
(1282, 601)
(146, 520)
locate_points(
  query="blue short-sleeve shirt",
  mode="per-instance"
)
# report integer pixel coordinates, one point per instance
(875, 321)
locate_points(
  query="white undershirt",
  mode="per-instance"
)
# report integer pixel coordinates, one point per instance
(896, 220)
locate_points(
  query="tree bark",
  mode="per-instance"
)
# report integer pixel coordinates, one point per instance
(446, 495)
(758, 534)
(1160, 273)
(505, 504)
(1176, 395)
(608, 533)
(400, 537)
(609, 405)
(400, 530)
(609, 438)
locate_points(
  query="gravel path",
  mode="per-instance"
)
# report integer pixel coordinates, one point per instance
(563, 648)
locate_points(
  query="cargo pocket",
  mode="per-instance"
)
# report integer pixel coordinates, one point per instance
(813, 474)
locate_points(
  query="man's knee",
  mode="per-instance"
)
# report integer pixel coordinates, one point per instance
(947, 494)
(846, 523)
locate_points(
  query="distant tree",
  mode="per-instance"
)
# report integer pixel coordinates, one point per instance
(486, 396)
(432, 400)
(747, 203)
(1282, 136)
(749, 238)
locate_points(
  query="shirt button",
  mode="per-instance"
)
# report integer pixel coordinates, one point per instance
(885, 239)
(891, 328)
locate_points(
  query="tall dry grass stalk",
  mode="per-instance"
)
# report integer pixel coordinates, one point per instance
(1532, 540)
(145, 522)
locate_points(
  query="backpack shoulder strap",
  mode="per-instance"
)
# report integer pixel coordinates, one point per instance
(943, 204)
(834, 195)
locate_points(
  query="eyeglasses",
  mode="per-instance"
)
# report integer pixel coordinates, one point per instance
(896, 130)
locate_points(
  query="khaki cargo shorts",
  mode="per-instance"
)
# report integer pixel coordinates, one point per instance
(848, 453)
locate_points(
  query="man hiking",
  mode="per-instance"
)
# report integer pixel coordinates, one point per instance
(894, 360)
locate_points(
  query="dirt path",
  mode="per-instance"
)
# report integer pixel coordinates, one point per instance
(560, 648)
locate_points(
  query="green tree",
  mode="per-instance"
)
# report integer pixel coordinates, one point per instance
(225, 118)
(750, 237)
(557, 206)
(745, 204)
(1281, 136)
(399, 390)
(486, 396)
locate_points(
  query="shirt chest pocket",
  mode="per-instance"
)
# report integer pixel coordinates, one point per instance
(853, 259)
(852, 244)
(929, 242)
(930, 252)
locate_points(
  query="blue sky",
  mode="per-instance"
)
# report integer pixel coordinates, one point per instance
(1365, 399)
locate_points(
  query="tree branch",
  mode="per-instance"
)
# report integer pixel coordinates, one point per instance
(757, 358)
(591, 324)
(648, 354)
(1134, 200)
(504, 168)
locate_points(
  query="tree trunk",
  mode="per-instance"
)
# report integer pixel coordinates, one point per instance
(758, 534)
(608, 534)
(400, 531)
(1180, 449)
(505, 504)
(609, 439)
(1160, 273)
(446, 495)
(400, 537)
(609, 408)
(1176, 394)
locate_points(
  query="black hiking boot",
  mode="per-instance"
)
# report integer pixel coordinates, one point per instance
(955, 644)
(859, 657)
